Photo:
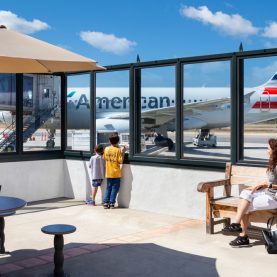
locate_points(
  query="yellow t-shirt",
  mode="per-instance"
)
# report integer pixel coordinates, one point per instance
(113, 157)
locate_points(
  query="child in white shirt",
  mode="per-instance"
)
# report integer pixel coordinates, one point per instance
(97, 166)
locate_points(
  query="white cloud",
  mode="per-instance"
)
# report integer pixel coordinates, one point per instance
(19, 24)
(108, 42)
(234, 25)
(270, 31)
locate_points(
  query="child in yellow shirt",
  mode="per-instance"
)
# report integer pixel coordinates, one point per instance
(113, 156)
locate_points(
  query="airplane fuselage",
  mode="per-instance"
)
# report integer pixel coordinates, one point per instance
(115, 101)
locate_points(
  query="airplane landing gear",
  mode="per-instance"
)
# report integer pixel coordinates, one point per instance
(162, 141)
(50, 143)
(204, 138)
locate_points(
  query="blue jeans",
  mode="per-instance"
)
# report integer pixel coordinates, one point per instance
(113, 185)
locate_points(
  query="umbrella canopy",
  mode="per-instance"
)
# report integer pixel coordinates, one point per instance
(20, 53)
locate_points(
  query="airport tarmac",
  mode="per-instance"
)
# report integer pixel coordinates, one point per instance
(255, 144)
(255, 147)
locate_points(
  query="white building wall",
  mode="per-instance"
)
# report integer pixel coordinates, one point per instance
(33, 180)
(164, 190)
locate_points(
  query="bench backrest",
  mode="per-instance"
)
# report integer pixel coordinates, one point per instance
(245, 175)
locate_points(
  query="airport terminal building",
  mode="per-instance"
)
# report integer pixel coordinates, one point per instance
(182, 120)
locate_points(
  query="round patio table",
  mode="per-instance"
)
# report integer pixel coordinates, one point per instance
(8, 206)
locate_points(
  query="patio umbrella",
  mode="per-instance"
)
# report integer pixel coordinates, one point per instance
(20, 53)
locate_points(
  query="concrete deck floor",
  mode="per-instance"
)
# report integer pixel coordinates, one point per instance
(125, 242)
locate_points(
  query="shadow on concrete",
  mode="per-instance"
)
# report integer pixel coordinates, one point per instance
(49, 204)
(116, 260)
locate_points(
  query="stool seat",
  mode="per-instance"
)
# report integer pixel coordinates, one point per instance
(58, 229)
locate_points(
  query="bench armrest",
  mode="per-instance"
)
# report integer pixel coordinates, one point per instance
(205, 186)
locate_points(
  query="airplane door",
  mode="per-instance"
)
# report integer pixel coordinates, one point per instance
(265, 101)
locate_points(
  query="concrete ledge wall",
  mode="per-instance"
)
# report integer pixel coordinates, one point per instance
(157, 189)
(33, 180)
(165, 190)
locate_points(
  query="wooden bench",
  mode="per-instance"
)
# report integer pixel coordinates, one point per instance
(225, 206)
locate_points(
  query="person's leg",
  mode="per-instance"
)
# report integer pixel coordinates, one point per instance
(244, 225)
(93, 194)
(242, 239)
(115, 189)
(242, 219)
(103, 189)
(89, 199)
(108, 191)
(242, 209)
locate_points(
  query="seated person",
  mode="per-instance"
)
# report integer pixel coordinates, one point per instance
(254, 198)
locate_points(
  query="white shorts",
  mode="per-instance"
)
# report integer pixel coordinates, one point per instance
(259, 200)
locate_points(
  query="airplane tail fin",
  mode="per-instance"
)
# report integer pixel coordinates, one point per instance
(272, 81)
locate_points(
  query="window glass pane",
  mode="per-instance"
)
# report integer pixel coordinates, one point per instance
(7, 113)
(207, 110)
(158, 111)
(112, 106)
(78, 112)
(41, 112)
(260, 106)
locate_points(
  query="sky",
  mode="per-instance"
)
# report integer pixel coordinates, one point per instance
(115, 32)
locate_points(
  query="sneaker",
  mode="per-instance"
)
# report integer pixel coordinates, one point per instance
(240, 241)
(92, 203)
(233, 228)
(88, 201)
(106, 206)
(112, 206)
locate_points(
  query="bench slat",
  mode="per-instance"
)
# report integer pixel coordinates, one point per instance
(248, 171)
(249, 181)
(229, 212)
(226, 201)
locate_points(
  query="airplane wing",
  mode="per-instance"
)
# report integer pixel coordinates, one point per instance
(160, 116)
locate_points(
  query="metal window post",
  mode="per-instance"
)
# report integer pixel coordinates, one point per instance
(234, 110)
(179, 111)
(19, 114)
(63, 112)
(92, 111)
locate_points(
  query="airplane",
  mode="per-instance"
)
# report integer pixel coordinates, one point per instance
(204, 108)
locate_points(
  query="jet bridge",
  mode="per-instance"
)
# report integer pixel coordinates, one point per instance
(30, 126)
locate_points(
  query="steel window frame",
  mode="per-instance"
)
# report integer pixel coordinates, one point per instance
(237, 113)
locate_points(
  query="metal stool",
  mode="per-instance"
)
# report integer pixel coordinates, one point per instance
(58, 230)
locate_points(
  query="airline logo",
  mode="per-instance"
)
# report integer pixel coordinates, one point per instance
(70, 94)
(268, 99)
(150, 102)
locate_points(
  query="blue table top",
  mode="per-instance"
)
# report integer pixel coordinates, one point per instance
(10, 204)
(58, 229)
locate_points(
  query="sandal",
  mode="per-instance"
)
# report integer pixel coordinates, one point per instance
(232, 228)
(240, 241)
